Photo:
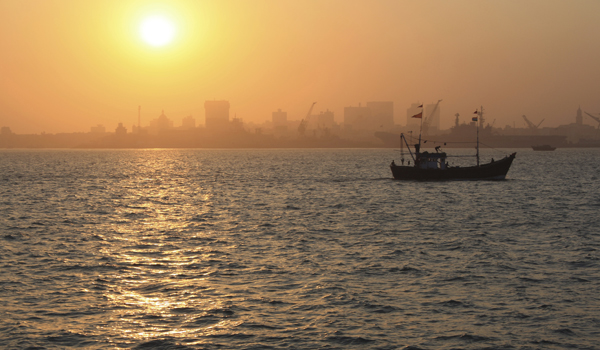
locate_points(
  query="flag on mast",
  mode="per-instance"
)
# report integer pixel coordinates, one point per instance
(475, 118)
(418, 115)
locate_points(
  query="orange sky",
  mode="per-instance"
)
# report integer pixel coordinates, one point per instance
(66, 65)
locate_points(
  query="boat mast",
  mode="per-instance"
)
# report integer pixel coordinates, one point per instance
(401, 149)
(477, 121)
(421, 128)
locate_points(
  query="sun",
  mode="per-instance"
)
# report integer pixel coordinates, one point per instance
(157, 30)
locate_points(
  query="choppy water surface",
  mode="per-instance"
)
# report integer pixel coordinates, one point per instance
(298, 249)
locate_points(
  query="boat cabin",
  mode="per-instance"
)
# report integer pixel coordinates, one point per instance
(428, 160)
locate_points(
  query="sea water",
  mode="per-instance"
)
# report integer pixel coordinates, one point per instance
(295, 249)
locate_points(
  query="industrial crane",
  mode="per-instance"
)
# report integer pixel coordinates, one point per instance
(531, 125)
(310, 110)
(303, 122)
(595, 118)
(427, 120)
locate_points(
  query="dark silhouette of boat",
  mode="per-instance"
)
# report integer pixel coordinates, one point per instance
(543, 148)
(434, 166)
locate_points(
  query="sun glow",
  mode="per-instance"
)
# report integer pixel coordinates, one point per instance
(157, 30)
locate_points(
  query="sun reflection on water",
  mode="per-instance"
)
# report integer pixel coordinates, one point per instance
(162, 287)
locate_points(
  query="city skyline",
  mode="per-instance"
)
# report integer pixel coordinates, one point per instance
(68, 65)
(402, 120)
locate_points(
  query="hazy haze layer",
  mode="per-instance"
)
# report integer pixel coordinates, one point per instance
(67, 65)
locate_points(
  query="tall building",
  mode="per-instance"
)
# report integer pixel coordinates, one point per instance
(216, 114)
(356, 118)
(236, 125)
(5, 130)
(377, 115)
(326, 120)
(279, 120)
(120, 130)
(382, 114)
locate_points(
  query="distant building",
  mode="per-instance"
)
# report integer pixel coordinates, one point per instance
(188, 123)
(5, 131)
(160, 124)
(216, 115)
(279, 119)
(120, 130)
(377, 115)
(237, 124)
(356, 118)
(382, 114)
(325, 120)
(98, 129)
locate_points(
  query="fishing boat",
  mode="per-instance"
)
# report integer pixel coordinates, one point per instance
(434, 165)
(543, 148)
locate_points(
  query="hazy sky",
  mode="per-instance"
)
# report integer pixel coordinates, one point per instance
(66, 65)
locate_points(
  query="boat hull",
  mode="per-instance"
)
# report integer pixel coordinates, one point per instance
(491, 171)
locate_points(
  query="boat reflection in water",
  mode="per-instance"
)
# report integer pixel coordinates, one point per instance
(434, 166)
